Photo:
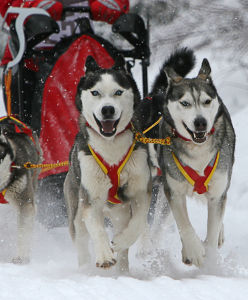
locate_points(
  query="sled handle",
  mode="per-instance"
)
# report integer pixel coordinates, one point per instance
(23, 13)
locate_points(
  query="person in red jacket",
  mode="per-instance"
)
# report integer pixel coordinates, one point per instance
(100, 10)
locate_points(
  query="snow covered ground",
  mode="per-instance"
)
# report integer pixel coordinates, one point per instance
(157, 271)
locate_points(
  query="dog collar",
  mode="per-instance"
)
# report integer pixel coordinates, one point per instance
(200, 183)
(113, 172)
(177, 134)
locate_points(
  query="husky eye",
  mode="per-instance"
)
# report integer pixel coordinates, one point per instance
(185, 103)
(95, 93)
(208, 101)
(118, 93)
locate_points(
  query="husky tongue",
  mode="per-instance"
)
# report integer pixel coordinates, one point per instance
(108, 126)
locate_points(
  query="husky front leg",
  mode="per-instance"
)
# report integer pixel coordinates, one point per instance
(81, 237)
(94, 221)
(25, 224)
(215, 227)
(139, 211)
(216, 208)
(120, 217)
(193, 251)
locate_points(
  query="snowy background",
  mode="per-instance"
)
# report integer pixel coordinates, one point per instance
(216, 30)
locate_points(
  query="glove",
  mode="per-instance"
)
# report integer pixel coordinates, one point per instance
(54, 8)
(108, 10)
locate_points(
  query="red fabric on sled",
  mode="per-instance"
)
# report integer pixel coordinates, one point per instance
(59, 116)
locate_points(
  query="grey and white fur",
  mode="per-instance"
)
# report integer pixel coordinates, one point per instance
(106, 100)
(199, 125)
(18, 182)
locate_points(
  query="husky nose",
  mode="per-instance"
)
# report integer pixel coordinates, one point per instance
(200, 124)
(108, 112)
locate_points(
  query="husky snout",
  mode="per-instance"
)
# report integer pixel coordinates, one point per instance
(200, 124)
(108, 112)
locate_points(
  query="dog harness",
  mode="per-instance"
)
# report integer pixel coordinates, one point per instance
(113, 172)
(200, 183)
(2, 199)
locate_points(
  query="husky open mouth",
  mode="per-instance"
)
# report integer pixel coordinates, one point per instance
(198, 137)
(107, 127)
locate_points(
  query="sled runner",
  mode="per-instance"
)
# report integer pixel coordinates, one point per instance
(44, 83)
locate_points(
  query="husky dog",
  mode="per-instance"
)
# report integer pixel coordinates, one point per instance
(109, 175)
(201, 155)
(18, 145)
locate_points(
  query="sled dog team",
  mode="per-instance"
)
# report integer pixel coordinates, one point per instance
(110, 172)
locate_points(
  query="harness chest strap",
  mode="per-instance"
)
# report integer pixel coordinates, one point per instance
(200, 183)
(113, 172)
(2, 198)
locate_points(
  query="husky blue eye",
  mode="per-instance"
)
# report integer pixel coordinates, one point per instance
(95, 93)
(185, 103)
(118, 93)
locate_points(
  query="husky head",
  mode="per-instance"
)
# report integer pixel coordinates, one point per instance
(106, 97)
(192, 104)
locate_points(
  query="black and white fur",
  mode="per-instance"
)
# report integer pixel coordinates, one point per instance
(106, 100)
(20, 183)
(191, 108)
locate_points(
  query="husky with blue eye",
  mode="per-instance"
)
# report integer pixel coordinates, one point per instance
(109, 174)
(201, 155)
(19, 145)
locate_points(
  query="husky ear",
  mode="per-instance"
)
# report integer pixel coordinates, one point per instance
(205, 70)
(91, 65)
(172, 76)
(119, 63)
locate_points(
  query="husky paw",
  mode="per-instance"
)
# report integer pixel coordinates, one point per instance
(106, 264)
(20, 261)
(119, 243)
(106, 259)
(193, 252)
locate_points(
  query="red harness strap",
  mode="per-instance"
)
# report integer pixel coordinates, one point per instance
(113, 172)
(2, 199)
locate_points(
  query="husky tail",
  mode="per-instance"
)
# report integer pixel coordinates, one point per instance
(181, 61)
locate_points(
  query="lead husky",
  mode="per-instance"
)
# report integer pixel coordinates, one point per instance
(201, 154)
(17, 184)
(109, 174)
